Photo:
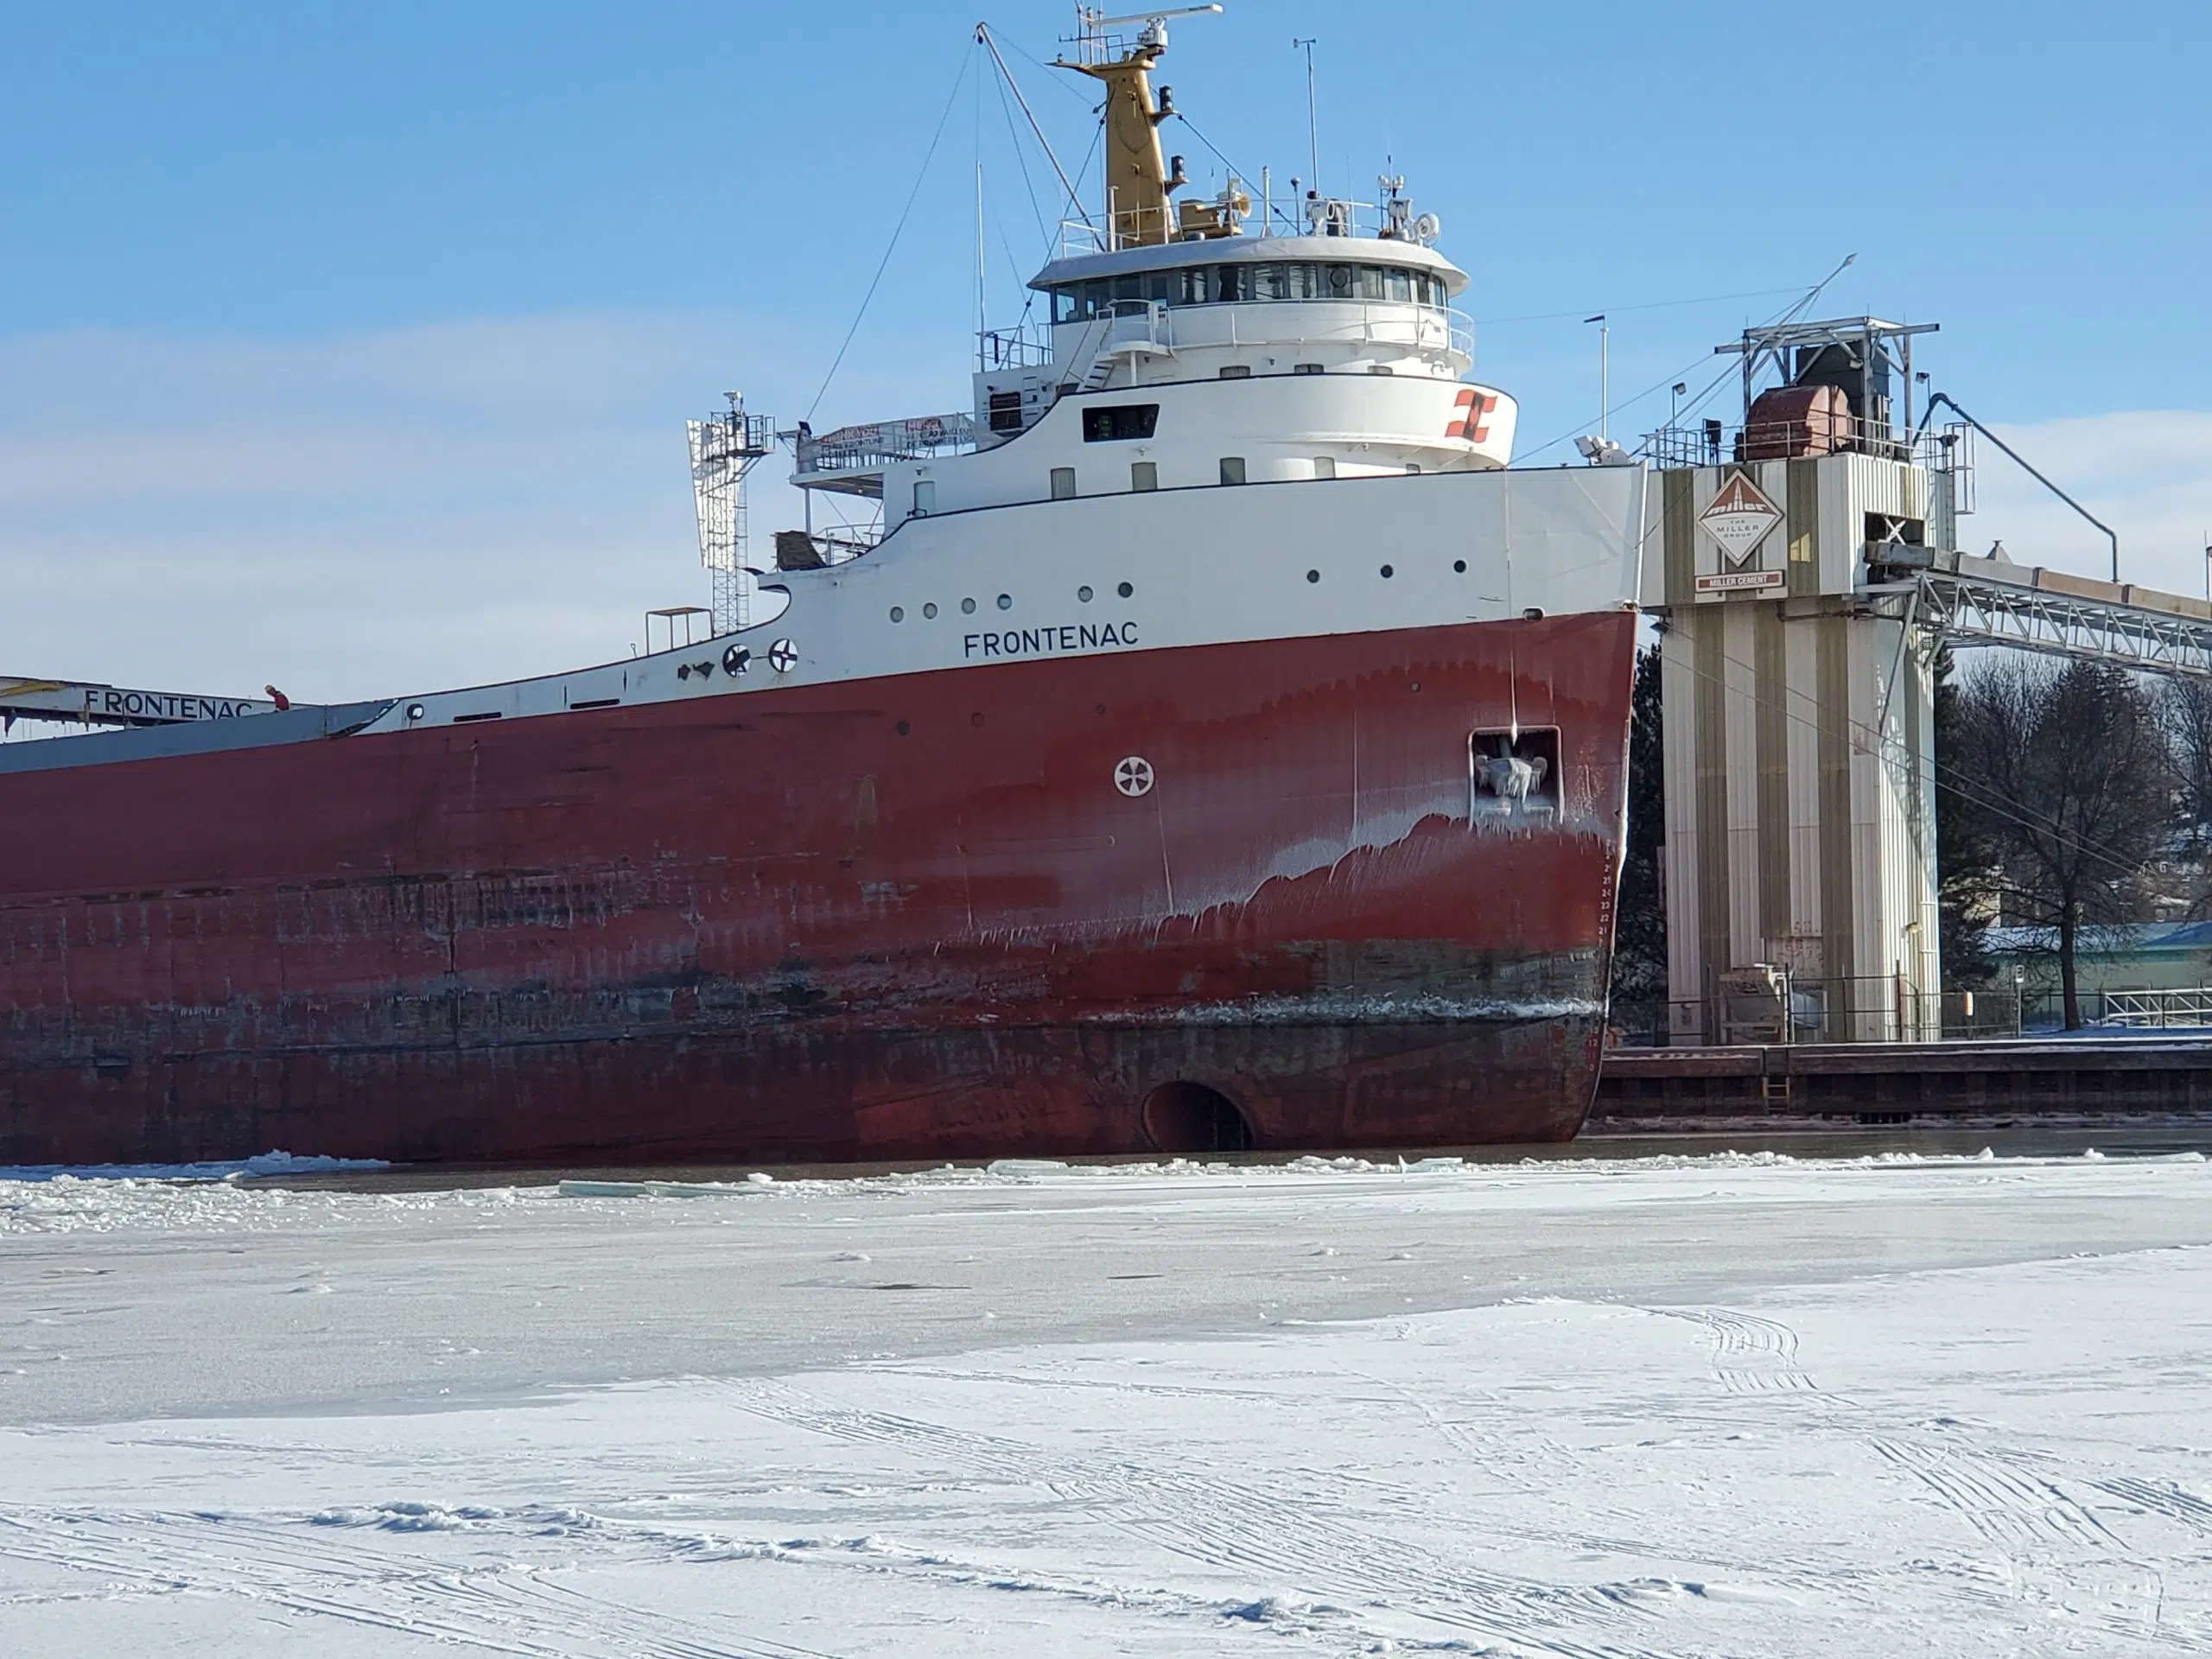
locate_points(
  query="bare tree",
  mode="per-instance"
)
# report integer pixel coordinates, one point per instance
(1969, 866)
(2185, 708)
(2070, 773)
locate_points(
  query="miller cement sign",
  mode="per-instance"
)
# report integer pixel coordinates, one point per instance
(1739, 518)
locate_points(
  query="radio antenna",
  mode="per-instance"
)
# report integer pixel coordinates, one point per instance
(1313, 128)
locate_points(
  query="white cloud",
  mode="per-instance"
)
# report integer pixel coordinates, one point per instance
(2147, 474)
(372, 513)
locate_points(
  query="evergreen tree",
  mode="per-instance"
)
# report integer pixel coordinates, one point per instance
(1640, 923)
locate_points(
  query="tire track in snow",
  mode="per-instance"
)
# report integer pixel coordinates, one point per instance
(1250, 1530)
(2173, 1502)
(2008, 1507)
(632, 1629)
(271, 1560)
(2028, 1518)
(1750, 1355)
(2026, 1515)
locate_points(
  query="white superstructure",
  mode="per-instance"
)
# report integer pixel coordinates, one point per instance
(1222, 358)
(1232, 426)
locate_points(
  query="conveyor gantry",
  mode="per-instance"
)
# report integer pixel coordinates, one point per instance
(1986, 601)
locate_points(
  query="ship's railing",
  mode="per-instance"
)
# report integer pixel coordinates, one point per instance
(1080, 237)
(1713, 443)
(1028, 346)
(1137, 324)
(1806, 1008)
(871, 448)
(1332, 216)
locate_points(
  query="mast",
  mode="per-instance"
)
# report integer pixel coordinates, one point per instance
(1138, 179)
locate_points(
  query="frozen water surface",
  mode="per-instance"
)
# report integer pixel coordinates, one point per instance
(1665, 1406)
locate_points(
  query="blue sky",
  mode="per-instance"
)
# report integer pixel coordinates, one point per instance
(338, 302)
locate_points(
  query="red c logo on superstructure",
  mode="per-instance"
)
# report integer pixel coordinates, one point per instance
(1473, 426)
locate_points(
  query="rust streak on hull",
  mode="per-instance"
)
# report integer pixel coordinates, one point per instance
(905, 917)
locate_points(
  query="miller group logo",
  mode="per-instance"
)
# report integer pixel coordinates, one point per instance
(1739, 518)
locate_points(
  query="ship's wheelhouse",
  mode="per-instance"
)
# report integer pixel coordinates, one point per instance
(1185, 345)
(1244, 281)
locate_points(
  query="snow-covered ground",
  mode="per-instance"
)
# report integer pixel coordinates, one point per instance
(1668, 1406)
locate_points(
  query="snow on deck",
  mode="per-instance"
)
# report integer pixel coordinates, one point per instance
(1675, 1406)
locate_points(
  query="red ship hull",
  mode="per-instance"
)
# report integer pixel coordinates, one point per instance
(907, 917)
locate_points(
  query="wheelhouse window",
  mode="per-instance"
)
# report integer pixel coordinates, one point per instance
(1119, 422)
(1236, 284)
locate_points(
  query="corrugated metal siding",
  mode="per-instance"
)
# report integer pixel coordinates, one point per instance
(1712, 768)
(1772, 714)
(1803, 833)
(1803, 525)
(1837, 960)
(1685, 924)
(1678, 541)
(1740, 768)
(1801, 669)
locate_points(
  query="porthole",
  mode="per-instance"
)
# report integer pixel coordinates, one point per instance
(904, 727)
(1125, 590)
(1388, 572)
(414, 711)
(1312, 575)
(1006, 601)
(976, 719)
(1083, 593)
(898, 614)
(930, 609)
(968, 608)
(1461, 565)
(1416, 685)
